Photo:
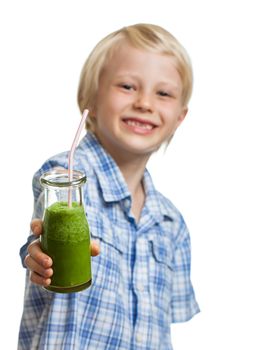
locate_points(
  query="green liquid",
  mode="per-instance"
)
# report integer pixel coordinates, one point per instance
(66, 240)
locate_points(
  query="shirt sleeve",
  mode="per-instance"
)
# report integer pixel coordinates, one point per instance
(57, 161)
(183, 302)
(37, 213)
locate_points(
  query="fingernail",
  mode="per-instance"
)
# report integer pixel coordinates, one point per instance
(36, 229)
(46, 262)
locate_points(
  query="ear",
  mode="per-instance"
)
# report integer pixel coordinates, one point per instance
(92, 112)
(182, 115)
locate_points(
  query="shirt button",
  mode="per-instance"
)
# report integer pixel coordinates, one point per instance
(139, 338)
(127, 203)
(140, 288)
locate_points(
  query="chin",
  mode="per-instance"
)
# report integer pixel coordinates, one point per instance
(140, 149)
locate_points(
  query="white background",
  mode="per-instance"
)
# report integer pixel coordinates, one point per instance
(209, 171)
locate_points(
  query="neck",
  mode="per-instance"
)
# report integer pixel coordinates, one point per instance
(133, 173)
(131, 165)
(132, 169)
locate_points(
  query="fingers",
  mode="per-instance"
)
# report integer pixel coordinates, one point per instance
(95, 248)
(37, 255)
(39, 264)
(38, 274)
(36, 227)
(40, 280)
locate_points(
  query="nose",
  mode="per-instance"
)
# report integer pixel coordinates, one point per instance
(143, 102)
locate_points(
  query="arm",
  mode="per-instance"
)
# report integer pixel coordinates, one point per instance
(37, 213)
(183, 303)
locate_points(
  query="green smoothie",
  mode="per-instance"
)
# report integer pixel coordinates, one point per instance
(66, 239)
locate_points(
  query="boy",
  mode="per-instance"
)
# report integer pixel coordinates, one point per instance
(136, 85)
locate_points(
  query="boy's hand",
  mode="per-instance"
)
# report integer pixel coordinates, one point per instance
(39, 263)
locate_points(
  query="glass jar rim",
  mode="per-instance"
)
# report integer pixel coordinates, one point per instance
(60, 178)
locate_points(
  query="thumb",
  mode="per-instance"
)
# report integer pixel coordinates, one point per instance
(36, 227)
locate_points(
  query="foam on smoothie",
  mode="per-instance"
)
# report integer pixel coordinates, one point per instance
(66, 223)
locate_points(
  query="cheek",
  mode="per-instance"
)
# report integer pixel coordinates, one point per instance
(171, 124)
(175, 115)
(119, 101)
(110, 103)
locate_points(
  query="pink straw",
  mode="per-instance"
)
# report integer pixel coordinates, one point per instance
(72, 151)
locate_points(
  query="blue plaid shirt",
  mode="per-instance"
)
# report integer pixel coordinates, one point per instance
(141, 279)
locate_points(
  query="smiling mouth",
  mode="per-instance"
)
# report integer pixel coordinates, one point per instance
(140, 124)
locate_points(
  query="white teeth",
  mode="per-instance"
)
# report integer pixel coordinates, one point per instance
(140, 125)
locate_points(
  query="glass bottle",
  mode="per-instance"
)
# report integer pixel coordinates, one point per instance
(66, 235)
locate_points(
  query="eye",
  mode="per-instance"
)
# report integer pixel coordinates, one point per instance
(127, 86)
(163, 93)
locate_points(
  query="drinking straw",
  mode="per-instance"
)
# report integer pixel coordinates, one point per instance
(72, 151)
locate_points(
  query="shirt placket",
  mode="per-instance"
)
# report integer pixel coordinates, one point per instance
(141, 289)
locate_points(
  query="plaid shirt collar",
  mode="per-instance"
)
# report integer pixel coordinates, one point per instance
(113, 185)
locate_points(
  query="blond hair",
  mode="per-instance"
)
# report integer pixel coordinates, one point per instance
(143, 36)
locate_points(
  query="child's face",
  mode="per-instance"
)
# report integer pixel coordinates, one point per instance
(138, 102)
